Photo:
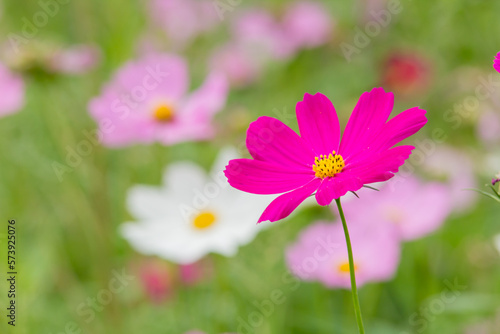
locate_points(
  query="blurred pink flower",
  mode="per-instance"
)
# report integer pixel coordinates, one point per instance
(320, 254)
(156, 280)
(236, 63)
(183, 20)
(258, 33)
(12, 88)
(406, 73)
(307, 24)
(457, 170)
(147, 101)
(200, 332)
(75, 60)
(488, 127)
(318, 162)
(191, 274)
(496, 63)
(415, 208)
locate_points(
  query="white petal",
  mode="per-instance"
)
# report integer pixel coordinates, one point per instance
(497, 242)
(145, 202)
(180, 177)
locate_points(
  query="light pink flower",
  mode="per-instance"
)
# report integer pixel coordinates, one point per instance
(320, 254)
(183, 20)
(239, 66)
(257, 31)
(307, 24)
(457, 170)
(415, 208)
(488, 126)
(200, 332)
(12, 88)
(304, 25)
(147, 101)
(75, 60)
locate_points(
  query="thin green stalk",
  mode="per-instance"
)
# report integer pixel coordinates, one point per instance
(354, 289)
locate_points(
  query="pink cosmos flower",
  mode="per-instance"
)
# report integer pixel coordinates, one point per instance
(317, 161)
(400, 202)
(147, 101)
(456, 168)
(320, 253)
(200, 332)
(259, 33)
(496, 63)
(183, 20)
(12, 88)
(75, 60)
(307, 24)
(239, 66)
(488, 127)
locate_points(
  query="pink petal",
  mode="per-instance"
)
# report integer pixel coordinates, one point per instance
(307, 24)
(334, 187)
(496, 64)
(367, 119)
(12, 88)
(380, 167)
(209, 99)
(162, 76)
(318, 123)
(259, 177)
(282, 206)
(270, 140)
(399, 128)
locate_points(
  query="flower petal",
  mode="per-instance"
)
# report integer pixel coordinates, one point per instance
(334, 187)
(380, 167)
(496, 64)
(270, 140)
(399, 128)
(318, 123)
(259, 177)
(282, 206)
(207, 100)
(367, 119)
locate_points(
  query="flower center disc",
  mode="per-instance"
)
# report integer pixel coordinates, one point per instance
(328, 166)
(164, 113)
(344, 267)
(204, 220)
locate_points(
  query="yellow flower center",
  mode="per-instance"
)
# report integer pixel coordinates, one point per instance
(204, 220)
(164, 113)
(328, 166)
(344, 267)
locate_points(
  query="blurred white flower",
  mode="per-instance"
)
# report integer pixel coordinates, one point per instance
(497, 242)
(193, 214)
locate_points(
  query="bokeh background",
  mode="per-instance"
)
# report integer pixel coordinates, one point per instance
(69, 243)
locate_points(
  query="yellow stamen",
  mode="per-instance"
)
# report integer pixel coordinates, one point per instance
(344, 267)
(164, 113)
(328, 166)
(204, 220)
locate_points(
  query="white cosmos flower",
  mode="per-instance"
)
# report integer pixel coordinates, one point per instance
(193, 214)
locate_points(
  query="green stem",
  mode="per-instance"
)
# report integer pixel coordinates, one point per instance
(354, 289)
